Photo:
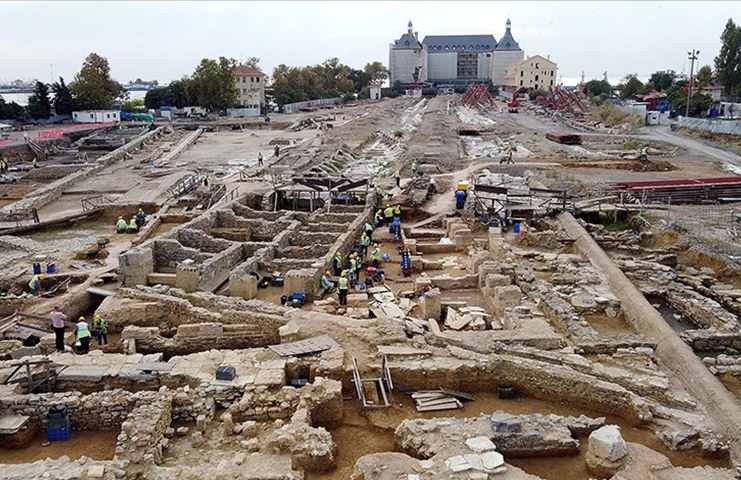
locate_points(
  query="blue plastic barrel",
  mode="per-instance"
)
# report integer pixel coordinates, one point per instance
(516, 227)
(36, 268)
(51, 268)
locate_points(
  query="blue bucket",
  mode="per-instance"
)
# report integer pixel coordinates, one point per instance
(151, 164)
(51, 268)
(36, 268)
(516, 227)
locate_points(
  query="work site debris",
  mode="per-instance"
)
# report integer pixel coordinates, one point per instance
(434, 400)
(567, 138)
(477, 95)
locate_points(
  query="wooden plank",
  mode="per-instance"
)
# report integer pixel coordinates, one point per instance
(457, 394)
(305, 347)
(435, 408)
(437, 401)
(101, 292)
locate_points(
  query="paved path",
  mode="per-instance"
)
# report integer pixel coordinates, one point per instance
(664, 133)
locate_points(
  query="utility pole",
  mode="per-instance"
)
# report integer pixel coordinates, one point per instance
(692, 56)
(51, 69)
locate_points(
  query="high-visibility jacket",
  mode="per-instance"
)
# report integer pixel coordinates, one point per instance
(81, 330)
(414, 166)
(644, 151)
(325, 281)
(100, 325)
(132, 223)
(378, 218)
(34, 283)
(353, 265)
(343, 283)
(338, 261)
(368, 227)
(364, 240)
(376, 255)
(397, 210)
(397, 174)
(389, 212)
(121, 224)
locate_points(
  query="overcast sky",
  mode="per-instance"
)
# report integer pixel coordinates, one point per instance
(165, 40)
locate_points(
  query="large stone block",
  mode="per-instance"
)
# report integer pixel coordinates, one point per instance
(431, 305)
(605, 451)
(506, 297)
(497, 280)
(243, 285)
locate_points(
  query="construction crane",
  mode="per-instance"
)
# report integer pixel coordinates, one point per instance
(514, 104)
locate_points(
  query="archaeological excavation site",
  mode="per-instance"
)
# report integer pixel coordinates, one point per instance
(404, 289)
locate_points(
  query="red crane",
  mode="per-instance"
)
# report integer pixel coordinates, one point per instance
(514, 103)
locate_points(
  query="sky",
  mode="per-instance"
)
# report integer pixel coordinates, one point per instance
(166, 40)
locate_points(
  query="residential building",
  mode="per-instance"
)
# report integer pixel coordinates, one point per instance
(97, 116)
(534, 72)
(714, 91)
(250, 84)
(407, 58)
(452, 59)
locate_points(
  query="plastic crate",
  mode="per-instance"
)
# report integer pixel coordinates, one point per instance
(226, 373)
(59, 435)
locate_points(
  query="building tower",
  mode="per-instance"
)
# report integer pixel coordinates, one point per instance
(508, 51)
(407, 59)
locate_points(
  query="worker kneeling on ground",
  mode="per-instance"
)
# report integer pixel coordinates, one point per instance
(82, 332)
(344, 285)
(35, 283)
(644, 154)
(133, 226)
(327, 284)
(141, 218)
(100, 330)
(121, 225)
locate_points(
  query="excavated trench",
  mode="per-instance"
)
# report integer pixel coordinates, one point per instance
(376, 429)
(95, 444)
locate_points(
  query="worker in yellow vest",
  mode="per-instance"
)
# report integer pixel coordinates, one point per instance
(388, 214)
(364, 244)
(376, 255)
(397, 176)
(83, 336)
(344, 285)
(35, 283)
(121, 225)
(100, 328)
(338, 263)
(133, 227)
(378, 218)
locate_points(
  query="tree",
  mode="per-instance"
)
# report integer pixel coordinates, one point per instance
(93, 88)
(360, 79)
(252, 62)
(212, 84)
(631, 86)
(728, 61)
(39, 105)
(63, 102)
(699, 105)
(377, 71)
(132, 106)
(662, 79)
(11, 111)
(704, 76)
(595, 88)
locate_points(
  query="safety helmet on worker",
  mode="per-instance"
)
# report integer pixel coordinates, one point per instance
(140, 209)
(338, 254)
(81, 319)
(388, 204)
(120, 217)
(41, 276)
(375, 244)
(97, 317)
(343, 274)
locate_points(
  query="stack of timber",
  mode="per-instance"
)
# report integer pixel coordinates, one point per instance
(442, 399)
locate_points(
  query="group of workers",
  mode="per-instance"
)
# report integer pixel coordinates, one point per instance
(83, 331)
(134, 225)
(81, 157)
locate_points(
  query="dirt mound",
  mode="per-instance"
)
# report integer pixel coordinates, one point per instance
(632, 165)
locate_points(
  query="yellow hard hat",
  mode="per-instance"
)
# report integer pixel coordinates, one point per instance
(388, 204)
(327, 273)
(344, 274)
(41, 276)
(97, 317)
(120, 217)
(140, 209)
(338, 253)
(81, 319)
(380, 211)
(375, 244)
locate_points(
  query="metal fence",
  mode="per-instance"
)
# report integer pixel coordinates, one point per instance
(731, 127)
(719, 225)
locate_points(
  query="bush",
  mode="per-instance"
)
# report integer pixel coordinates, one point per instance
(348, 98)
(629, 145)
(460, 89)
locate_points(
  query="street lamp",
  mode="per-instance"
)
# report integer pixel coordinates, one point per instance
(692, 56)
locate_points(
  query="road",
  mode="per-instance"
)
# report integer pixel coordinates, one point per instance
(664, 134)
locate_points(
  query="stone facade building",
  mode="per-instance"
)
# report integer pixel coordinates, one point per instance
(533, 72)
(250, 84)
(408, 59)
(452, 59)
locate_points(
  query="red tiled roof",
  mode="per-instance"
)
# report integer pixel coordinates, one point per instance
(242, 70)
